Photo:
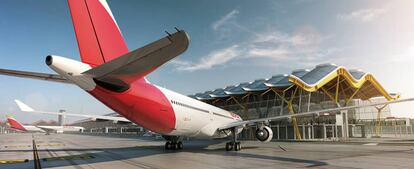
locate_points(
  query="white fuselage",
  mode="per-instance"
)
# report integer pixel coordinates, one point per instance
(198, 119)
(193, 117)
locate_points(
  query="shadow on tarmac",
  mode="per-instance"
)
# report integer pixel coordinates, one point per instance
(127, 153)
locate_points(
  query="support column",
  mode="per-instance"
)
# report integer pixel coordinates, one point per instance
(282, 103)
(339, 121)
(303, 131)
(309, 99)
(395, 130)
(313, 132)
(286, 131)
(324, 131)
(345, 125)
(278, 132)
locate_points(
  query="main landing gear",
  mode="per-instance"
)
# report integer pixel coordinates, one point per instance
(169, 145)
(234, 144)
(173, 143)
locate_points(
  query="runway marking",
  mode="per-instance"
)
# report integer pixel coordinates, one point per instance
(71, 157)
(14, 161)
(50, 145)
(370, 144)
(282, 148)
(18, 146)
(36, 156)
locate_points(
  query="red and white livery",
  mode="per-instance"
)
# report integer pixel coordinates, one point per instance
(14, 124)
(116, 76)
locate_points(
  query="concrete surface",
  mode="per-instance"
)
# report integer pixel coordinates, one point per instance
(100, 152)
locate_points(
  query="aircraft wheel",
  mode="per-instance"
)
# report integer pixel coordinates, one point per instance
(237, 146)
(180, 145)
(229, 146)
(174, 146)
(168, 145)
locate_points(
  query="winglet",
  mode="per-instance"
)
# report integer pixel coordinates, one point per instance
(23, 107)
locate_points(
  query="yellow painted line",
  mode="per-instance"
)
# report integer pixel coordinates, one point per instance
(50, 145)
(73, 157)
(18, 146)
(36, 159)
(14, 161)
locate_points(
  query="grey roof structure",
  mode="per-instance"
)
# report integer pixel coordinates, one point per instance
(284, 82)
(310, 80)
(317, 74)
(257, 85)
(357, 74)
(275, 80)
(219, 93)
(204, 96)
(237, 90)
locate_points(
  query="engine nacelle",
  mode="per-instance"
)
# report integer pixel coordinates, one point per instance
(265, 134)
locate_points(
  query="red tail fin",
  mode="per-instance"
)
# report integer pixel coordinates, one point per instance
(99, 38)
(15, 124)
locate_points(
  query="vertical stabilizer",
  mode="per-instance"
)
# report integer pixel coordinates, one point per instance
(15, 124)
(97, 33)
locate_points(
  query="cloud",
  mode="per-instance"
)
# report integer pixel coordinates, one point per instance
(303, 43)
(364, 15)
(224, 20)
(300, 47)
(215, 58)
(406, 56)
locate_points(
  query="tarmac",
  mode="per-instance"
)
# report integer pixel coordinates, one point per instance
(77, 151)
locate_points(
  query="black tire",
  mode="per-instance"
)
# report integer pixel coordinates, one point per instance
(229, 146)
(167, 145)
(174, 146)
(180, 145)
(237, 146)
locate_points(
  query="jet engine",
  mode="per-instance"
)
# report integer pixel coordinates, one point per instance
(265, 134)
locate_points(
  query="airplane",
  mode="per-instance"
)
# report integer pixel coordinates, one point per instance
(14, 124)
(116, 77)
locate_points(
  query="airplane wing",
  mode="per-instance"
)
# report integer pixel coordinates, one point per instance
(140, 62)
(46, 129)
(35, 75)
(316, 112)
(25, 108)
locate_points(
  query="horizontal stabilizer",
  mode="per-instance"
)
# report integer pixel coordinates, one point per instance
(35, 75)
(140, 62)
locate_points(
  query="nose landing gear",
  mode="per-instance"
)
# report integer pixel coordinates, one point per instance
(234, 144)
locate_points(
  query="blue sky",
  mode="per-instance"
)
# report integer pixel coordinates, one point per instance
(232, 41)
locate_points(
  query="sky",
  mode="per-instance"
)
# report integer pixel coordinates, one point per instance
(231, 41)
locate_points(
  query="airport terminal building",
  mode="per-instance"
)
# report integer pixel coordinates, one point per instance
(324, 86)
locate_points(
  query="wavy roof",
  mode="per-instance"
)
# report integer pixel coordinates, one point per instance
(323, 75)
(353, 82)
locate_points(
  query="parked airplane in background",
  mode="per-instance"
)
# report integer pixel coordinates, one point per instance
(116, 77)
(44, 129)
